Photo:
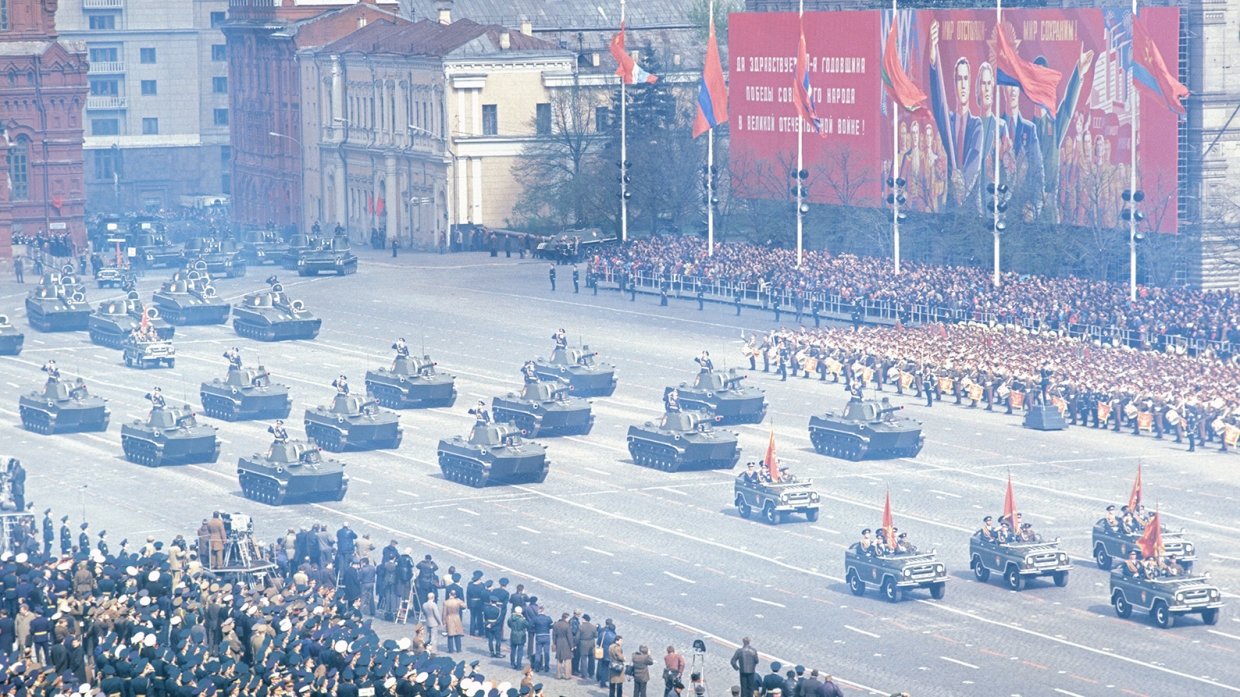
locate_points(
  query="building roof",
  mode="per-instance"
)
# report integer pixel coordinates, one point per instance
(560, 15)
(430, 38)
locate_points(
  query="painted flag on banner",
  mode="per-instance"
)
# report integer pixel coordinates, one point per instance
(712, 101)
(899, 85)
(1038, 82)
(627, 68)
(1150, 71)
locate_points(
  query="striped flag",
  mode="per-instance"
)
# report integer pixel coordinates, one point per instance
(712, 101)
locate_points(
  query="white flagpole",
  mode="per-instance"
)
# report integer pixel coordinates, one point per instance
(995, 182)
(1132, 172)
(624, 147)
(798, 182)
(895, 165)
(710, 167)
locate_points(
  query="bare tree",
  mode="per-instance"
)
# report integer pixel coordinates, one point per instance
(558, 169)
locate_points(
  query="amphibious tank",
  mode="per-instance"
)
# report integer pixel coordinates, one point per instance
(578, 367)
(297, 245)
(292, 472)
(169, 436)
(11, 339)
(412, 382)
(245, 394)
(221, 256)
(260, 247)
(189, 298)
(112, 323)
(492, 453)
(330, 256)
(269, 315)
(722, 394)
(63, 407)
(544, 409)
(58, 303)
(683, 440)
(352, 423)
(866, 428)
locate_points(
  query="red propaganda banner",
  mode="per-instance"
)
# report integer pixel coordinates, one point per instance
(844, 77)
(1049, 94)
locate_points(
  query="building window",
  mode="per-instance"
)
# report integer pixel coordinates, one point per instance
(149, 88)
(19, 168)
(146, 55)
(542, 119)
(105, 127)
(103, 55)
(102, 22)
(4, 15)
(221, 117)
(105, 164)
(217, 20)
(226, 184)
(602, 118)
(150, 127)
(219, 53)
(219, 85)
(104, 88)
(225, 154)
(490, 120)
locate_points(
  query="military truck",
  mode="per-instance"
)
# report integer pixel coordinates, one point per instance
(866, 428)
(775, 501)
(169, 436)
(269, 315)
(292, 472)
(1110, 544)
(11, 339)
(894, 574)
(683, 440)
(352, 423)
(412, 382)
(63, 407)
(544, 409)
(190, 298)
(492, 452)
(587, 377)
(58, 303)
(245, 394)
(144, 354)
(330, 256)
(721, 393)
(1165, 598)
(221, 257)
(112, 276)
(1018, 562)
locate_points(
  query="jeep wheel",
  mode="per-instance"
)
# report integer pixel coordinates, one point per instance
(1012, 578)
(855, 584)
(1122, 608)
(743, 508)
(1061, 578)
(1210, 615)
(890, 592)
(1102, 558)
(812, 515)
(1161, 615)
(938, 590)
(980, 572)
(769, 514)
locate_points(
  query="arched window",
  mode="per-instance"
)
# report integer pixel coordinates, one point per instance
(19, 168)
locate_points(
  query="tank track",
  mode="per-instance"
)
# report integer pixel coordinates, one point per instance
(142, 452)
(262, 489)
(113, 341)
(252, 331)
(217, 407)
(655, 456)
(326, 438)
(463, 470)
(36, 421)
(839, 445)
(386, 395)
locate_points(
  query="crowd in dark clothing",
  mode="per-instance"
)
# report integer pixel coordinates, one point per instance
(959, 293)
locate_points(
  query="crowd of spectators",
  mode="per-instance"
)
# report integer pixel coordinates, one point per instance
(966, 293)
(219, 614)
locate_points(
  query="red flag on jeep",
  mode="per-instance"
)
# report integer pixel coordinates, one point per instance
(1151, 541)
(888, 524)
(1134, 497)
(772, 464)
(1009, 506)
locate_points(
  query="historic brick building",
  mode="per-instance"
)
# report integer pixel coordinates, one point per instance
(42, 94)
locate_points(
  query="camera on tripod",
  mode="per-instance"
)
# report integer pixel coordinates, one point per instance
(239, 551)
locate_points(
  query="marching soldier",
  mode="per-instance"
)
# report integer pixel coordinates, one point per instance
(341, 384)
(551, 277)
(1192, 422)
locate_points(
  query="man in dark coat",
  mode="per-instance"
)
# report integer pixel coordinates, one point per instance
(745, 662)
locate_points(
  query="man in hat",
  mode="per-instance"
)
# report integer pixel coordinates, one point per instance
(66, 537)
(84, 539)
(341, 384)
(218, 537)
(233, 355)
(49, 532)
(490, 626)
(156, 398)
(475, 599)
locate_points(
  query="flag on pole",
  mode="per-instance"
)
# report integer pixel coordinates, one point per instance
(899, 85)
(1150, 71)
(627, 68)
(888, 524)
(1151, 541)
(1134, 497)
(1039, 83)
(1009, 506)
(772, 464)
(802, 91)
(712, 101)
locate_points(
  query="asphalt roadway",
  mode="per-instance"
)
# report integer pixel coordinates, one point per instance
(666, 555)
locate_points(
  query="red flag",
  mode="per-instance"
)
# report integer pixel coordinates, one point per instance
(1134, 497)
(1009, 506)
(772, 464)
(627, 68)
(902, 88)
(1149, 69)
(146, 321)
(802, 91)
(712, 102)
(379, 206)
(1039, 83)
(1151, 541)
(888, 525)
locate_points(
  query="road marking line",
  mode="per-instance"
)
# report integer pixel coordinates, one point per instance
(678, 578)
(605, 474)
(1226, 558)
(408, 493)
(767, 602)
(359, 479)
(959, 663)
(1069, 694)
(944, 493)
(466, 510)
(599, 551)
(673, 490)
(522, 527)
(872, 635)
(1223, 634)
